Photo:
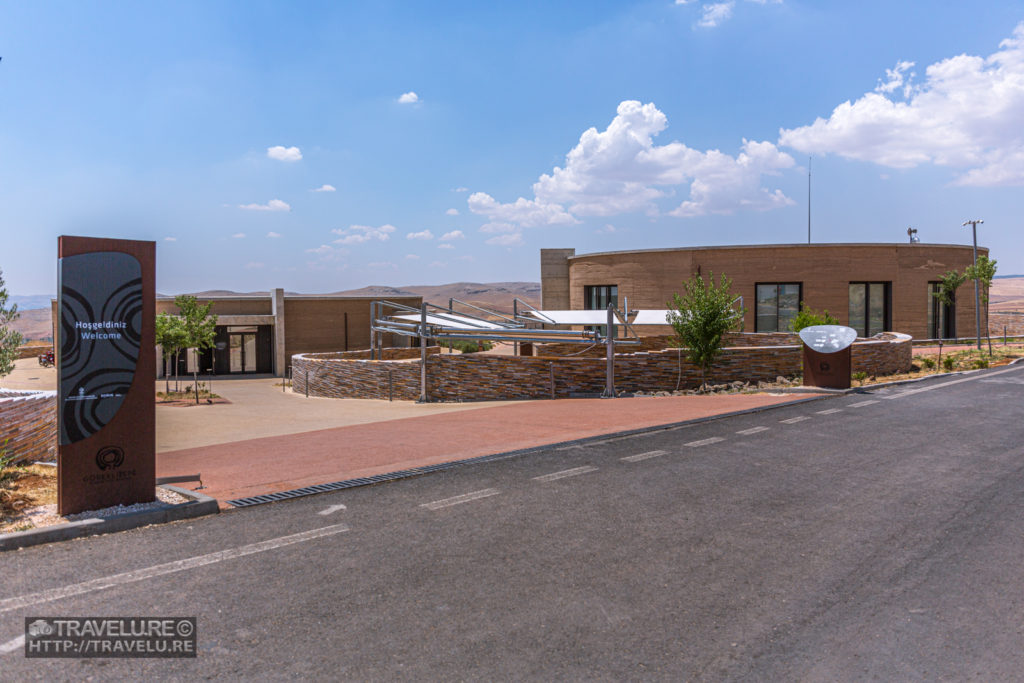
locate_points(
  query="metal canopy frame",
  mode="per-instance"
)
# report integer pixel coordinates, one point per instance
(437, 322)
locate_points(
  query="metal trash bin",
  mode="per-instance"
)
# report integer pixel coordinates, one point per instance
(827, 355)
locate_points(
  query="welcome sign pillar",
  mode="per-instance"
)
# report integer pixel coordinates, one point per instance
(106, 365)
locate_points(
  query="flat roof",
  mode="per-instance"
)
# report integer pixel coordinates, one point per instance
(914, 245)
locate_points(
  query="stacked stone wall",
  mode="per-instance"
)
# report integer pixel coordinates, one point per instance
(32, 351)
(484, 377)
(28, 424)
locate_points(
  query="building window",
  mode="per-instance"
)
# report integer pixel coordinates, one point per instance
(941, 318)
(870, 307)
(777, 305)
(597, 298)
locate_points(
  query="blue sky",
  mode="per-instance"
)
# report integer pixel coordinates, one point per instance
(327, 146)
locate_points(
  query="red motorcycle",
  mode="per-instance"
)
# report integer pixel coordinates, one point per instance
(46, 359)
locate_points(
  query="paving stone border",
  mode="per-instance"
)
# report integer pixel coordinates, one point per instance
(199, 505)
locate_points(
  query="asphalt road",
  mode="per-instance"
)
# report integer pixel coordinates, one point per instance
(872, 536)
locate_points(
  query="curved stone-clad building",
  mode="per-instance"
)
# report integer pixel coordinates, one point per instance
(870, 287)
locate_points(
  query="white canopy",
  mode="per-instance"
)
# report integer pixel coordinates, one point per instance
(596, 317)
(571, 317)
(450, 320)
(651, 317)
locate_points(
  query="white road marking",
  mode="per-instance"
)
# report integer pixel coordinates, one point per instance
(1004, 380)
(830, 411)
(642, 456)
(862, 404)
(455, 500)
(705, 442)
(566, 473)
(103, 583)
(955, 381)
(12, 645)
(794, 420)
(753, 430)
(331, 510)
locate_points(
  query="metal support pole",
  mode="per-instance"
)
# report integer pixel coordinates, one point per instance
(423, 353)
(373, 323)
(551, 369)
(515, 316)
(609, 376)
(977, 296)
(391, 387)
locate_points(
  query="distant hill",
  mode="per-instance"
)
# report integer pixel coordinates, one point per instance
(1007, 293)
(496, 296)
(34, 324)
(31, 301)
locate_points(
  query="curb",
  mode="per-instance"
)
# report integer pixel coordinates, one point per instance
(263, 499)
(198, 506)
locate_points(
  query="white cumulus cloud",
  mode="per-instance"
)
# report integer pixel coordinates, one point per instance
(967, 114)
(170, 239)
(272, 205)
(453, 235)
(282, 153)
(514, 239)
(713, 14)
(620, 170)
(408, 98)
(524, 212)
(412, 257)
(358, 234)
(452, 212)
(273, 235)
(421, 235)
(239, 235)
(325, 188)
(445, 245)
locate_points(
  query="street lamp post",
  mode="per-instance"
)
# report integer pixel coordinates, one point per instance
(977, 298)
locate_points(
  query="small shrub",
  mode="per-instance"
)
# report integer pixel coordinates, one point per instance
(948, 363)
(927, 362)
(808, 318)
(860, 376)
(470, 346)
(980, 363)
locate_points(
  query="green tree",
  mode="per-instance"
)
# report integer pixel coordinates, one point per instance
(983, 271)
(199, 326)
(10, 339)
(806, 317)
(700, 317)
(946, 294)
(170, 335)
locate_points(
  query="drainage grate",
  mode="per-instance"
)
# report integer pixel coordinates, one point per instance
(367, 481)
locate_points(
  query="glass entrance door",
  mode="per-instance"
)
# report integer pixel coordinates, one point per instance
(242, 347)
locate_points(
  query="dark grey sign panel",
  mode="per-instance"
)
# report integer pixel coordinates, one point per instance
(100, 336)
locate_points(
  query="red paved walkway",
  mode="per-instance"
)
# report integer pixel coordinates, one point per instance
(280, 463)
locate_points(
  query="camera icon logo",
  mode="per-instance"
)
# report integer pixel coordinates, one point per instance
(40, 627)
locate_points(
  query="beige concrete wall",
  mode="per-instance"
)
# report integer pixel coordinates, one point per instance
(554, 278)
(318, 324)
(649, 278)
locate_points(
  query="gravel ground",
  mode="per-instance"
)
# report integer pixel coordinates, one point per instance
(46, 515)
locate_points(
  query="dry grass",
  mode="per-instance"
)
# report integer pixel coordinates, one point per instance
(23, 487)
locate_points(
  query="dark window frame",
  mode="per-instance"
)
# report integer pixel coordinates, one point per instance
(610, 298)
(886, 304)
(799, 303)
(940, 315)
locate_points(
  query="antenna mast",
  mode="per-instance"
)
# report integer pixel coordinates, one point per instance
(808, 200)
